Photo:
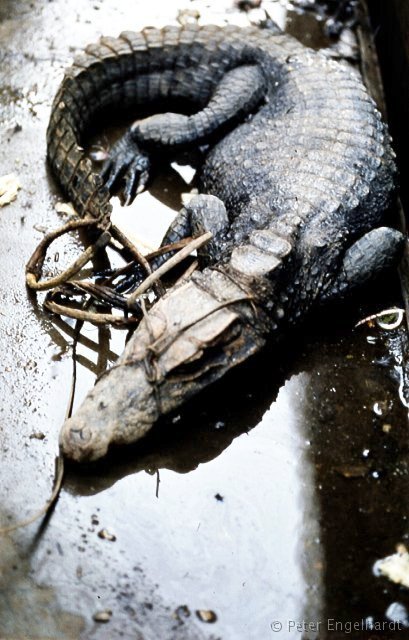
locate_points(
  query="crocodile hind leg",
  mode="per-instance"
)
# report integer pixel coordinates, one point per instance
(160, 136)
(369, 256)
(202, 214)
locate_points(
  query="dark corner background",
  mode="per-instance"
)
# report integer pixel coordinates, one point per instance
(390, 22)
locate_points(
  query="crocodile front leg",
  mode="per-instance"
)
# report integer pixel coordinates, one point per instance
(202, 214)
(238, 93)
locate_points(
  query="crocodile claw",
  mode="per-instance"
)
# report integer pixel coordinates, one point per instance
(127, 170)
(136, 179)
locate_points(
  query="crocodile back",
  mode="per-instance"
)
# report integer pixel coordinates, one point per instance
(317, 152)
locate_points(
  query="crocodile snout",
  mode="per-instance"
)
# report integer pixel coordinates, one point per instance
(81, 443)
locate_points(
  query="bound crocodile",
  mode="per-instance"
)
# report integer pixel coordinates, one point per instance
(298, 175)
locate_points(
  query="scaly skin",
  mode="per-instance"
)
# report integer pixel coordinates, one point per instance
(300, 159)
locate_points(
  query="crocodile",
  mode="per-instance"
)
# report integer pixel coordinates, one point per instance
(297, 176)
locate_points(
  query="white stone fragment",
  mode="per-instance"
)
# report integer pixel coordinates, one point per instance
(66, 208)
(394, 567)
(9, 186)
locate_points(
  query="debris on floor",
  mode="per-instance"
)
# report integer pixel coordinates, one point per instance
(9, 186)
(395, 567)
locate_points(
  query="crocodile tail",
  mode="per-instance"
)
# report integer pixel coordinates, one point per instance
(89, 83)
(135, 68)
(81, 184)
(96, 80)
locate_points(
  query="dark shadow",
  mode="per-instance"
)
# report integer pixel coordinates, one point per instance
(390, 26)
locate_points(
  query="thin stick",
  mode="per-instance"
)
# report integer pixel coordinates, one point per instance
(78, 326)
(137, 255)
(34, 265)
(88, 316)
(157, 483)
(167, 266)
(167, 248)
(387, 312)
(62, 327)
(403, 268)
(118, 272)
(36, 261)
(97, 291)
(118, 235)
(58, 478)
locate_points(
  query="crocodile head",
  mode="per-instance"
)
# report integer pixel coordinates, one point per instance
(186, 341)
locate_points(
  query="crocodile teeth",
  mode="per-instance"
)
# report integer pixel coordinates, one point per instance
(252, 261)
(269, 241)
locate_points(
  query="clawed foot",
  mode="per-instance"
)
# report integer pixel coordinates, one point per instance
(127, 169)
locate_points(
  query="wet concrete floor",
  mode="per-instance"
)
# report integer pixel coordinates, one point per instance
(267, 502)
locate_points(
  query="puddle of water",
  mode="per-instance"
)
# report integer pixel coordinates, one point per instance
(277, 490)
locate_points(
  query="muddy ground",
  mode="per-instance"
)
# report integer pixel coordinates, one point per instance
(266, 503)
